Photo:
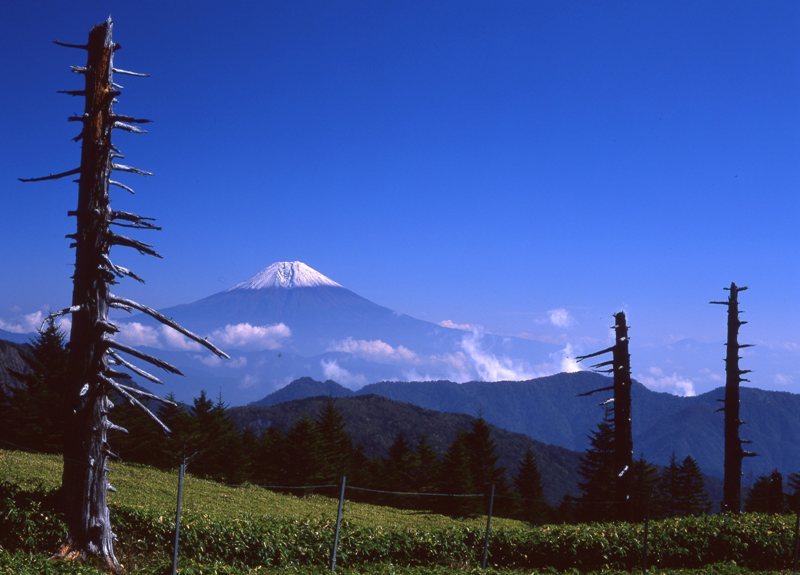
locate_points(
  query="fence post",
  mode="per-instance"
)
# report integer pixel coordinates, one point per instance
(338, 524)
(796, 542)
(181, 473)
(488, 529)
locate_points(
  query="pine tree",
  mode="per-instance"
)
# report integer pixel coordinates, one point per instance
(456, 477)
(335, 448)
(37, 414)
(644, 480)
(529, 487)
(268, 467)
(301, 459)
(598, 473)
(668, 490)
(766, 495)
(692, 498)
(427, 465)
(482, 452)
(794, 492)
(400, 465)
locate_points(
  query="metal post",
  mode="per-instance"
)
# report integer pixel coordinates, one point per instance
(646, 542)
(181, 473)
(796, 542)
(485, 558)
(338, 524)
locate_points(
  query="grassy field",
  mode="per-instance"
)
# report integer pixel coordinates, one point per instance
(243, 530)
(150, 490)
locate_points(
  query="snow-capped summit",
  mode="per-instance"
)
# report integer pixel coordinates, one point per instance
(287, 275)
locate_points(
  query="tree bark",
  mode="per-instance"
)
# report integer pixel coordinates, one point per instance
(84, 480)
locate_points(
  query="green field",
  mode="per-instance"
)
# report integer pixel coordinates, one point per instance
(239, 530)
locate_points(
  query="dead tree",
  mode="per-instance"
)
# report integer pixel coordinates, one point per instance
(734, 452)
(94, 355)
(620, 367)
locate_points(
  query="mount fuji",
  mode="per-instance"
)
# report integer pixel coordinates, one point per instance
(290, 321)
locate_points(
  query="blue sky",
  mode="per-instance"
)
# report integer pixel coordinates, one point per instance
(482, 162)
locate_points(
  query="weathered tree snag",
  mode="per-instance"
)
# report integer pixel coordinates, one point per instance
(90, 379)
(734, 453)
(623, 435)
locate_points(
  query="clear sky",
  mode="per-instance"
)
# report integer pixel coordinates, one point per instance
(480, 162)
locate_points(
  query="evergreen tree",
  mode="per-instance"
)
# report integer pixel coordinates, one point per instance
(456, 477)
(598, 477)
(334, 446)
(400, 465)
(644, 481)
(668, 490)
(529, 487)
(766, 495)
(179, 444)
(301, 460)
(427, 465)
(268, 467)
(692, 498)
(36, 416)
(794, 492)
(481, 449)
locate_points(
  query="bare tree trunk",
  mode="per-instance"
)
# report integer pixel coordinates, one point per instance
(623, 434)
(734, 453)
(84, 481)
(91, 347)
(620, 368)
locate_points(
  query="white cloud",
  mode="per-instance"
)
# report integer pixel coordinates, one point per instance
(657, 380)
(560, 317)
(490, 367)
(332, 370)
(251, 337)
(216, 361)
(27, 323)
(783, 379)
(568, 362)
(135, 334)
(453, 325)
(249, 381)
(374, 350)
(176, 340)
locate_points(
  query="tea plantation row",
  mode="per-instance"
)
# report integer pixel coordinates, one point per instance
(231, 530)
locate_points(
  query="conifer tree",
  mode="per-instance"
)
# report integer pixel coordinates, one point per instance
(482, 452)
(456, 476)
(400, 465)
(301, 459)
(36, 413)
(268, 467)
(766, 495)
(644, 480)
(692, 498)
(598, 473)
(794, 492)
(529, 487)
(427, 465)
(334, 446)
(669, 489)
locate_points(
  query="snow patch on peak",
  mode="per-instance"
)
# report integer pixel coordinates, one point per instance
(286, 275)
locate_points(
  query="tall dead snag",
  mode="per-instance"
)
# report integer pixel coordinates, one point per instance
(620, 367)
(93, 353)
(734, 453)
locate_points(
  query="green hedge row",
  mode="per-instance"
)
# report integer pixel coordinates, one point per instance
(28, 523)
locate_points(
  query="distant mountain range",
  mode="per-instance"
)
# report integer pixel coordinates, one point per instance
(374, 422)
(290, 321)
(549, 410)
